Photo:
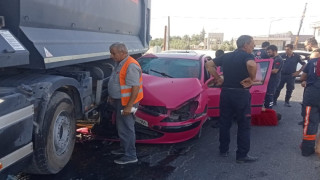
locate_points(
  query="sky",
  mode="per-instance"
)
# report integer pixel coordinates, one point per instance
(232, 17)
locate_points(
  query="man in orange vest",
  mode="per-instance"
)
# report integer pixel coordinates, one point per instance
(125, 92)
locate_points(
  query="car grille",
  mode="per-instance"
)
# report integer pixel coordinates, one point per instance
(153, 110)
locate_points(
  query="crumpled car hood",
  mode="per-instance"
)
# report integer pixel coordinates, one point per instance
(168, 92)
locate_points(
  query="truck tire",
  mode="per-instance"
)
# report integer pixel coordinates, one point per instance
(54, 148)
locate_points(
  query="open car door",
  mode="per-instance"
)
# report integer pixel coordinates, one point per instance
(258, 90)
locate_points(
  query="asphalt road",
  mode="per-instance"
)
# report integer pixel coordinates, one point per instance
(277, 148)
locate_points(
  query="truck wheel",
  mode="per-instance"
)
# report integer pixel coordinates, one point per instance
(54, 149)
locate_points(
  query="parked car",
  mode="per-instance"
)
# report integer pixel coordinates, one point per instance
(179, 96)
(255, 51)
(305, 56)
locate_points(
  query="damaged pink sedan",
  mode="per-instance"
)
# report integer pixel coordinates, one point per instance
(179, 96)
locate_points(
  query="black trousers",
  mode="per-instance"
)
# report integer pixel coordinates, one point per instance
(311, 113)
(235, 103)
(285, 79)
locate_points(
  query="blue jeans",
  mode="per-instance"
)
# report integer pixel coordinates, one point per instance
(126, 131)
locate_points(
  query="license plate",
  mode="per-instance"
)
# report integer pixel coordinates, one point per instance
(142, 122)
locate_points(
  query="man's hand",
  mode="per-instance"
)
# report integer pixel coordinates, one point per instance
(126, 110)
(246, 83)
(304, 83)
(296, 74)
(218, 82)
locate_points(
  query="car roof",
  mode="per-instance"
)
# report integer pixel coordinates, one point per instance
(303, 54)
(295, 51)
(191, 55)
(179, 51)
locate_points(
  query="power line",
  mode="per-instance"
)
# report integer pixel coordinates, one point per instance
(234, 18)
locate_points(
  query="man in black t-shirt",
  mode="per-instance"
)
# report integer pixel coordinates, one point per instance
(239, 71)
(275, 75)
(289, 73)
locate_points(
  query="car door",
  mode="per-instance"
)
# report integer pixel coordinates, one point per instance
(258, 90)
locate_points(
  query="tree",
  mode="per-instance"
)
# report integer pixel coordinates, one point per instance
(227, 46)
(185, 42)
(202, 35)
(195, 39)
(156, 42)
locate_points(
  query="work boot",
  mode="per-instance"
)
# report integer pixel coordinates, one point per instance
(307, 152)
(307, 148)
(287, 104)
(246, 159)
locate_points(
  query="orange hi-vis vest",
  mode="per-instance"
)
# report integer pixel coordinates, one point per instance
(126, 90)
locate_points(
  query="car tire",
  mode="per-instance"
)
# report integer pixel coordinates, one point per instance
(53, 149)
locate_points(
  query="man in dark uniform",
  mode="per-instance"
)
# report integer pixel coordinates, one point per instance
(239, 71)
(310, 44)
(262, 53)
(275, 75)
(311, 105)
(289, 74)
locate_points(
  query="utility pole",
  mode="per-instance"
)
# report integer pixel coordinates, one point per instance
(168, 34)
(297, 37)
(165, 39)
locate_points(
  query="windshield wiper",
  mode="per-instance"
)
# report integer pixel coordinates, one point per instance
(162, 73)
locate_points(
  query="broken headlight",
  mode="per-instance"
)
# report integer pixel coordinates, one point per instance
(184, 113)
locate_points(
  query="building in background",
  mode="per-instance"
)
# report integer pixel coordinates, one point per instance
(316, 33)
(214, 40)
(281, 39)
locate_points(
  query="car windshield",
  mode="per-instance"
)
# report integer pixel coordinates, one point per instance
(170, 67)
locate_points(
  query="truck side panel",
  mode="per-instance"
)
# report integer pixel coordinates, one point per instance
(15, 129)
(59, 33)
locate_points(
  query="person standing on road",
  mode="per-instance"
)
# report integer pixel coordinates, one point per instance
(125, 92)
(239, 71)
(310, 44)
(275, 75)
(262, 53)
(311, 105)
(289, 74)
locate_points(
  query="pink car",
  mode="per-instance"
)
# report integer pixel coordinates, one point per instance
(178, 97)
